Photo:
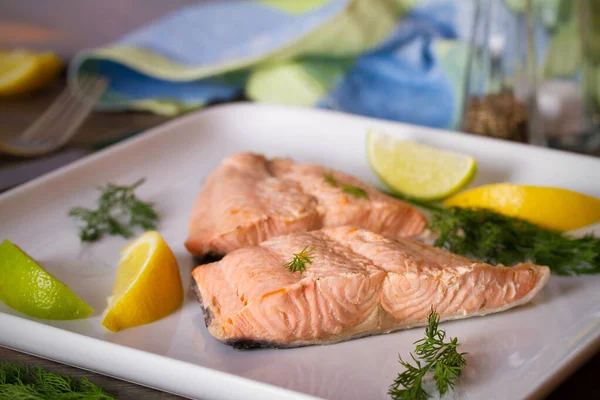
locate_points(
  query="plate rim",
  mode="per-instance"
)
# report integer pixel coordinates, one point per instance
(21, 325)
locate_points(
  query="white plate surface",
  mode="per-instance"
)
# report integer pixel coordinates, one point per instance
(520, 353)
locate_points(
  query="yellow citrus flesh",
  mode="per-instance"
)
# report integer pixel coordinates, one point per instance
(548, 207)
(147, 286)
(23, 72)
(418, 170)
(28, 288)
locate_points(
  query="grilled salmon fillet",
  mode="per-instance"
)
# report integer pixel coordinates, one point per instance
(359, 283)
(249, 199)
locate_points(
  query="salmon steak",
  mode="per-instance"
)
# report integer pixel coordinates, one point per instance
(248, 199)
(357, 283)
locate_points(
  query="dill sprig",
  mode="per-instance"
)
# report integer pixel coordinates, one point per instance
(330, 179)
(353, 190)
(346, 187)
(498, 239)
(300, 259)
(21, 382)
(118, 212)
(433, 354)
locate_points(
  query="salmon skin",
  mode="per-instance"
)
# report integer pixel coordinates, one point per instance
(359, 283)
(248, 199)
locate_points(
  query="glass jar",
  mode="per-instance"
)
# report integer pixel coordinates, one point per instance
(569, 77)
(533, 73)
(500, 76)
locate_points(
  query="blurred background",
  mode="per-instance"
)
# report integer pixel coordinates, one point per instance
(520, 70)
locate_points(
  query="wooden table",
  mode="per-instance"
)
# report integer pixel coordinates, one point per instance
(102, 127)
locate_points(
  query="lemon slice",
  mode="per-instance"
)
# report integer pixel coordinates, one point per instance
(148, 286)
(417, 170)
(547, 207)
(23, 72)
(30, 289)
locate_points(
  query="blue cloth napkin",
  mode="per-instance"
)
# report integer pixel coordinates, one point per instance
(379, 58)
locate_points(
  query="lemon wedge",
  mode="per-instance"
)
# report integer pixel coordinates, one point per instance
(30, 289)
(23, 72)
(417, 170)
(148, 285)
(548, 207)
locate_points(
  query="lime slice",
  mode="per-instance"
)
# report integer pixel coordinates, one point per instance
(416, 170)
(30, 289)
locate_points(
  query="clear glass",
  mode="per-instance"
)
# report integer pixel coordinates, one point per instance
(500, 83)
(569, 91)
(533, 73)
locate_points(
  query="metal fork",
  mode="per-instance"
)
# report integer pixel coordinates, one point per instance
(60, 121)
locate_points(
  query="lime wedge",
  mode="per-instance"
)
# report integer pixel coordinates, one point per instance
(30, 289)
(416, 170)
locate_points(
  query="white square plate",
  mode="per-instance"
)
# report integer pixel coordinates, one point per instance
(520, 353)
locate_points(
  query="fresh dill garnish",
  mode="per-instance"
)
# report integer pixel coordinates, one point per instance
(118, 212)
(346, 188)
(330, 179)
(498, 239)
(433, 354)
(21, 382)
(353, 190)
(300, 259)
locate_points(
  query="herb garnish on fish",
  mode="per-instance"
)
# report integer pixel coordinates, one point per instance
(497, 239)
(299, 260)
(119, 210)
(433, 354)
(346, 188)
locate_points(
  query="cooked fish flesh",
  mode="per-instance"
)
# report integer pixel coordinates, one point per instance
(359, 283)
(249, 199)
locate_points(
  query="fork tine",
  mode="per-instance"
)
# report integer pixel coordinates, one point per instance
(59, 122)
(79, 114)
(38, 129)
(72, 106)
